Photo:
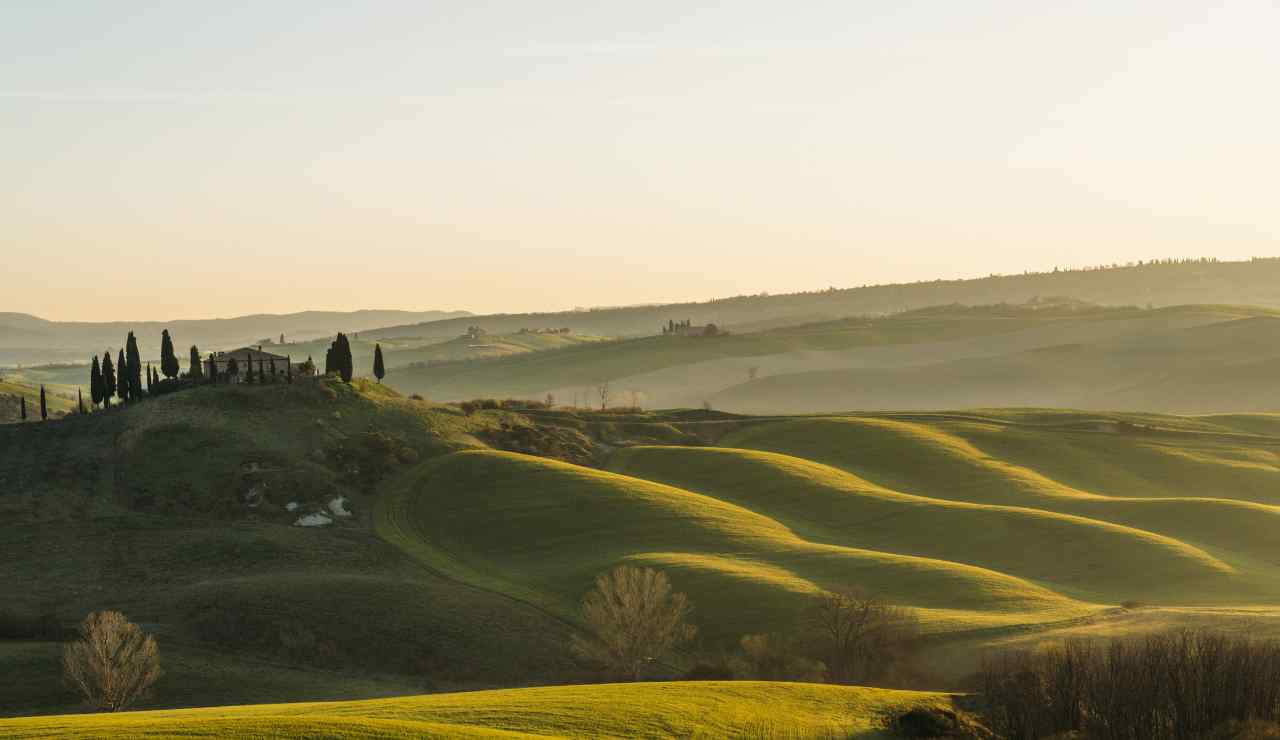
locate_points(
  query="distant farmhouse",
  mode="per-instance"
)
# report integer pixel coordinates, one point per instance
(687, 329)
(235, 364)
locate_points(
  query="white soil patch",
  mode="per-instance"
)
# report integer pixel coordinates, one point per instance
(338, 506)
(314, 520)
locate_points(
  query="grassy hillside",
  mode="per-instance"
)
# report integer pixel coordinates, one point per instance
(541, 530)
(181, 512)
(59, 400)
(654, 710)
(455, 548)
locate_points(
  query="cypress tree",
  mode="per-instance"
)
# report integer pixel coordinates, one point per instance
(22, 402)
(80, 400)
(122, 378)
(342, 357)
(44, 410)
(95, 382)
(135, 367)
(379, 370)
(288, 368)
(149, 378)
(168, 360)
(108, 380)
(195, 372)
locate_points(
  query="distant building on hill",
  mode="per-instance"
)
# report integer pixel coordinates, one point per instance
(686, 329)
(254, 358)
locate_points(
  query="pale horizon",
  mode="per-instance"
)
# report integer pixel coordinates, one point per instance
(178, 160)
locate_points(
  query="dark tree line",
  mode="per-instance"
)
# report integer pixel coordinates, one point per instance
(1175, 685)
(124, 378)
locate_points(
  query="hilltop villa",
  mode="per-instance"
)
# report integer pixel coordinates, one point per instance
(254, 357)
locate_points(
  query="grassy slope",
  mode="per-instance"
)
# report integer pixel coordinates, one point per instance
(542, 529)
(940, 456)
(650, 710)
(143, 509)
(830, 505)
(58, 399)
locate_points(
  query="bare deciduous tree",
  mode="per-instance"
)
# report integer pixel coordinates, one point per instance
(634, 619)
(859, 636)
(112, 663)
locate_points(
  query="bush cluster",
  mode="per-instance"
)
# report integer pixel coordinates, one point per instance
(1173, 685)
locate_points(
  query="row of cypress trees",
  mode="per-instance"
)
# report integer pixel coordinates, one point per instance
(123, 378)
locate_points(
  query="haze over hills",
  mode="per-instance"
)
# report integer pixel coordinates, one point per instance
(29, 339)
(1181, 358)
(1255, 282)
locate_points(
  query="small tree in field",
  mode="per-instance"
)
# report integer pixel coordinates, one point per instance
(111, 663)
(634, 619)
(860, 637)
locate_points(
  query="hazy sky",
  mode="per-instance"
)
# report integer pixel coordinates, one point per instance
(186, 159)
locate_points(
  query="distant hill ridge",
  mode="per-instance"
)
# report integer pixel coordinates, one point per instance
(30, 339)
(1255, 282)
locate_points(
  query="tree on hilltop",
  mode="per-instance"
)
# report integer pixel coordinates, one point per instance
(195, 371)
(135, 367)
(379, 370)
(168, 360)
(338, 358)
(122, 378)
(95, 383)
(108, 380)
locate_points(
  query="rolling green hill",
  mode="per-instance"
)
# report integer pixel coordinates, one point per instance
(653, 710)
(455, 548)
(57, 398)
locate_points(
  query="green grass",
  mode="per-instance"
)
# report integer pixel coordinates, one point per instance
(59, 400)
(464, 563)
(832, 506)
(651, 710)
(542, 529)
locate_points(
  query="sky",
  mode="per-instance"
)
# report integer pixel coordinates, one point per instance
(164, 160)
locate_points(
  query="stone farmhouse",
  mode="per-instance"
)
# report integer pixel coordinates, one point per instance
(253, 357)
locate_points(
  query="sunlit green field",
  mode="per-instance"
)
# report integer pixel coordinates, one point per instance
(651, 710)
